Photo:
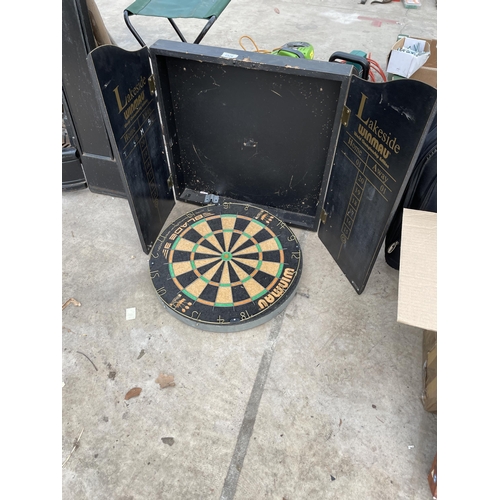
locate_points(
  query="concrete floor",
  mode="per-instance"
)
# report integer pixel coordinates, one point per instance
(322, 402)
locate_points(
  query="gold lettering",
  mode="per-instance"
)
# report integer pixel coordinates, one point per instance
(134, 106)
(283, 283)
(269, 299)
(361, 107)
(130, 95)
(262, 304)
(118, 100)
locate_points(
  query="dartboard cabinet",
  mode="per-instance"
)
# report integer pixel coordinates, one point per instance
(258, 144)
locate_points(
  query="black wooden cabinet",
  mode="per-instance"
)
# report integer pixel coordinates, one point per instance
(307, 140)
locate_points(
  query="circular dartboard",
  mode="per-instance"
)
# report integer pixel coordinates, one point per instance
(226, 267)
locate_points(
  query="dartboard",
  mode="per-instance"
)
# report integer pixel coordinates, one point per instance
(226, 267)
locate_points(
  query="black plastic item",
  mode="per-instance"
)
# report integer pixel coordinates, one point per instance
(345, 56)
(73, 176)
(289, 50)
(72, 173)
(420, 194)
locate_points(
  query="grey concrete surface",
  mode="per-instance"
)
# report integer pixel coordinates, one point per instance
(322, 402)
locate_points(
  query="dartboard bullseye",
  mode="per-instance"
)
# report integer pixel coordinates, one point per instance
(226, 268)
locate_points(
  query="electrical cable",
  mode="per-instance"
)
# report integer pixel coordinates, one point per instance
(260, 51)
(374, 65)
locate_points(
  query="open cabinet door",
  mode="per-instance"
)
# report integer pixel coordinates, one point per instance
(125, 88)
(383, 128)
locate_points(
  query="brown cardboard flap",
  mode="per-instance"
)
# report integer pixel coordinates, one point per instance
(432, 62)
(426, 75)
(430, 341)
(432, 359)
(417, 301)
(431, 390)
(429, 396)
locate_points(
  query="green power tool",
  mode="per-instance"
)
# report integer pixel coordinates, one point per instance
(301, 50)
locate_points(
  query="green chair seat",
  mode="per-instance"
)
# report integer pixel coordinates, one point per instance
(174, 9)
(194, 9)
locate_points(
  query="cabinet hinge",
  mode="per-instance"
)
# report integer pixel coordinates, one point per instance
(323, 216)
(346, 113)
(152, 85)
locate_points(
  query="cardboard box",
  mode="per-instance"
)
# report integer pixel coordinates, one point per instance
(427, 73)
(405, 64)
(417, 300)
(429, 363)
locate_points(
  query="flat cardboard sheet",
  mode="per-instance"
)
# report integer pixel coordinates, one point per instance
(417, 302)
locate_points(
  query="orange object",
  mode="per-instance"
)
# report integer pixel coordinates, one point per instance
(432, 478)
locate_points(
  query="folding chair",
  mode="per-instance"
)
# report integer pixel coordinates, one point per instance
(173, 9)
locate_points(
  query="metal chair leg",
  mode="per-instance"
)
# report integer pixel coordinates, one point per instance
(177, 30)
(132, 29)
(203, 32)
(211, 21)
